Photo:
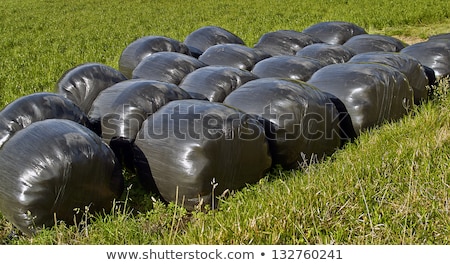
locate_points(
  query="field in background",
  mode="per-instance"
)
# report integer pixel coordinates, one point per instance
(390, 187)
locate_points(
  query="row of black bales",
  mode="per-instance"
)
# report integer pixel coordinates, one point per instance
(204, 116)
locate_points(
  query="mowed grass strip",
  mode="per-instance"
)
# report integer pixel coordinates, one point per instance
(391, 186)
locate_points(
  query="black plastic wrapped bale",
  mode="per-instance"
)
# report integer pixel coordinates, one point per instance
(284, 42)
(201, 39)
(443, 36)
(301, 122)
(434, 54)
(214, 83)
(334, 32)
(53, 167)
(287, 66)
(374, 42)
(170, 67)
(327, 53)
(234, 55)
(37, 107)
(370, 93)
(83, 83)
(133, 54)
(408, 65)
(193, 150)
(120, 110)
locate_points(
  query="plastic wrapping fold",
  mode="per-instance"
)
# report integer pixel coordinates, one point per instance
(119, 111)
(374, 42)
(334, 32)
(434, 53)
(36, 107)
(201, 39)
(287, 66)
(234, 55)
(52, 168)
(170, 67)
(301, 123)
(83, 83)
(408, 65)
(191, 151)
(327, 53)
(371, 93)
(133, 54)
(284, 42)
(214, 83)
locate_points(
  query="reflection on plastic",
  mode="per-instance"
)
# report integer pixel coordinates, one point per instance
(301, 122)
(334, 32)
(36, 107)
(284, 42)
(327, 53)
(188, 144)
(170, 67)
(408, 65)
(201, 39)
(215, 82)
(372, 93)
(133, 54)
(83, 83)
(374, 42)
(53, 167)
(287, 66)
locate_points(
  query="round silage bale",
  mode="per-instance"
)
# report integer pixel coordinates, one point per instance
(301, 123)
(55, 170)
(191, 151)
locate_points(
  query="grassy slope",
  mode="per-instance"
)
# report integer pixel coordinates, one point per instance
(389, 187)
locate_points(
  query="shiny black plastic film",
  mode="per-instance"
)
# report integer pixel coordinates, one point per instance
(284, 42)
(287, 66)
(119, 111)
(54, 169)
(334, 32)
(37, 107)
(374, 42)
(327, 53)
(235, 55)
(433, 53)
(301, 123)
(194, 150)
(215, 82)
(201, 39)
(83, 83)
(170, 67)
(408, 65)
(133, 54)
(371, 93)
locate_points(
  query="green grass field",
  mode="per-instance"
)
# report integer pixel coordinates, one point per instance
(389, 187)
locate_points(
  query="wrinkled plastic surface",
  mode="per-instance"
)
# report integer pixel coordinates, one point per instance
(119, 111)
(287, 66)
(214, 83)
(52, 167)
(234, 55)
(334, 32)
(408, 65)
(133, 54)
(374, 42)
(170, 67)
(36, 107)
(327, 53)
(284, 42)
(194, 148)
(121, 108)
(83, 83)
(434, 53)
(201, 39)
(301, 122)
(370, 93)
